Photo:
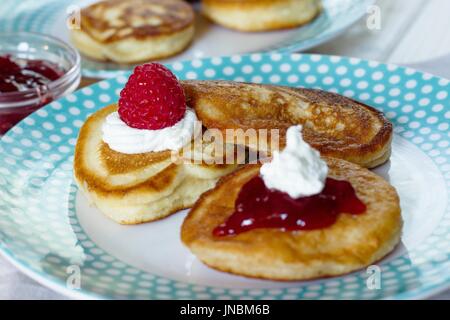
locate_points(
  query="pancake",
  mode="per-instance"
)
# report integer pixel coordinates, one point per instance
(335, 125)
(261, 15)
(352, 243)
(132, 31)
(137, 188)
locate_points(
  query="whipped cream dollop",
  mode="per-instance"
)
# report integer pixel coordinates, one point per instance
(122, 138)
(298, 170)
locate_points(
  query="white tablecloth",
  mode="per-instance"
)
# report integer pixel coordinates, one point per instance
(15, 285)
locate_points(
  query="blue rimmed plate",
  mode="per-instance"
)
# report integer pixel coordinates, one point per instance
(49, 16)
(50, 232)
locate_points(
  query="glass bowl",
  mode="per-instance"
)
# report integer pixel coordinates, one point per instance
(14, 106)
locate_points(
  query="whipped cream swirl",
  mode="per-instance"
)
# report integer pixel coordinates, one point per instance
(122, 138)
(298, 170)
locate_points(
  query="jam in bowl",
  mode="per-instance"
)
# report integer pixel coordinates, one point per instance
(34, 70)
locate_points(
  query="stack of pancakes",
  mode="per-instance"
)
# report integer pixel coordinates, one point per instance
(350, 135)
(137, 188)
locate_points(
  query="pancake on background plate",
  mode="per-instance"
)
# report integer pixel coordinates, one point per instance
(125, 31)
(261, 15)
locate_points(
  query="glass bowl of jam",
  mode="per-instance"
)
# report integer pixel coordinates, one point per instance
(35, 69)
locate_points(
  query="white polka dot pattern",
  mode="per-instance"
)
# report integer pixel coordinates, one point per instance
(36, 165)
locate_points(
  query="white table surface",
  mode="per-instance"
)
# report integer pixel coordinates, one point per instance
(413, 32)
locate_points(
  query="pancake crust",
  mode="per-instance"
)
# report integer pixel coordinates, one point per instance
(132, 31)
(352, 243)
(261, 15)
(335, 125)
(138, 188)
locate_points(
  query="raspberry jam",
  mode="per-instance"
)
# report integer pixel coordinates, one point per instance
(20, 76)
(26, 74)
(259, 207)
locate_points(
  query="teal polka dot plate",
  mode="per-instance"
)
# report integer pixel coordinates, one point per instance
(49, 231)
(50, 17)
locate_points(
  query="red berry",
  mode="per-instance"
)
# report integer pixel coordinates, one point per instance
(152, 98)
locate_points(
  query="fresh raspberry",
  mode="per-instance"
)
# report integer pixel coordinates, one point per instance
(152, 98)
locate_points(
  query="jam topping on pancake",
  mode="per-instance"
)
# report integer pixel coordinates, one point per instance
(112, 20)
(292, 192)
(259, 207)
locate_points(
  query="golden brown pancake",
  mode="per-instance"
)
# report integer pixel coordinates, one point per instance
(261, 15)
(352, 243)
(131, 31)
(335, 125)
(136, 188)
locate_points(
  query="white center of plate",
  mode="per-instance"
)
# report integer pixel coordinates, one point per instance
(156, 247)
